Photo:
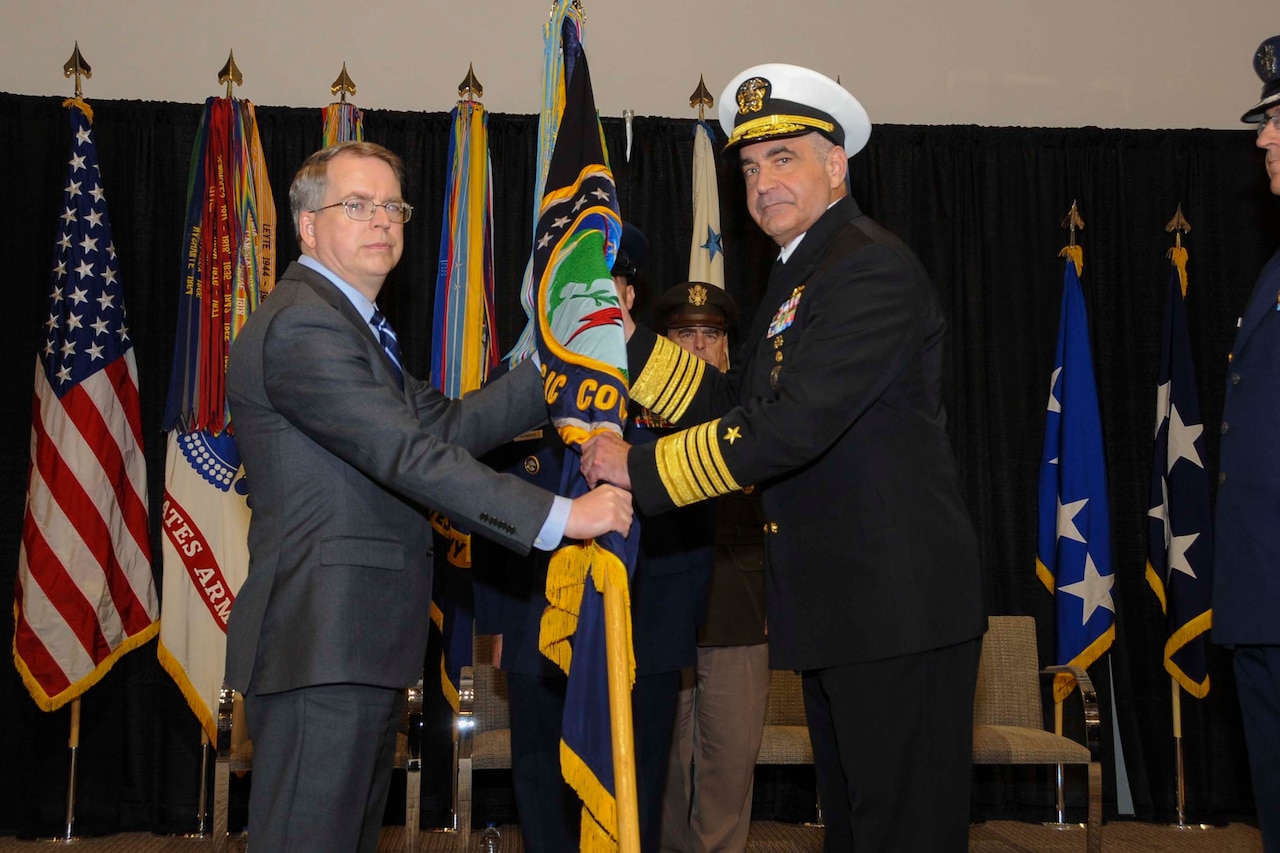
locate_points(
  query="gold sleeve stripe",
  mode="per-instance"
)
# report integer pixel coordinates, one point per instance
(682, 385)
(657, 370)
(669, 380)
(709, 465)
(691, 467)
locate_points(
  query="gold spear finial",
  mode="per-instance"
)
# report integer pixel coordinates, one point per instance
(701, 98)
(78, 67)
(1178, 255)
(343, 85)
(230, 73)
(1179, 225)
(1073, 222)
(470, 88)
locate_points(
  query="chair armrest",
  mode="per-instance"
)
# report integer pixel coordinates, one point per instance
(414, 725)
(464, 744)
(226, 712)
(222, 768)
(1089, 701)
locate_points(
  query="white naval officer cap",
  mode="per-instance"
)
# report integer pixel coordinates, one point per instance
(777, 100)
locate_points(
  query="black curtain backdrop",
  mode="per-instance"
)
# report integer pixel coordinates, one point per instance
(981, 206)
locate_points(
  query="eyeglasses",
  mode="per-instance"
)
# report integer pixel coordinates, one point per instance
(363, 209)
(709, 334)
(1272, 121)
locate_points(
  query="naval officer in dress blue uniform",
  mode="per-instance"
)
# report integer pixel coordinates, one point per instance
(873, 588)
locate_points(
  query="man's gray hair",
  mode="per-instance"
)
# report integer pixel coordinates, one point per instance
(309, 185)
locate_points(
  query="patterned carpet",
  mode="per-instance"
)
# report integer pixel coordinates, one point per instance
(766, 837)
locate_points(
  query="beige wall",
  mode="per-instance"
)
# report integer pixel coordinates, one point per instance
(1110, 63)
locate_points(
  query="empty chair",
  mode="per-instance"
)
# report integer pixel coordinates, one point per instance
(1009, 720)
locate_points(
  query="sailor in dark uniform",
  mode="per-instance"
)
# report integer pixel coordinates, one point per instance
(873, 587)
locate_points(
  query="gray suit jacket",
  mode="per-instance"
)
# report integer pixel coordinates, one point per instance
(342, 466)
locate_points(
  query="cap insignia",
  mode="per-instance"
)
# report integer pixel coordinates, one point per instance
(698, 295)
(751, 95)
(1266, 61)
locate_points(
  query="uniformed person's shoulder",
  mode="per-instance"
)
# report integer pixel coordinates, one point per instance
(864, 235)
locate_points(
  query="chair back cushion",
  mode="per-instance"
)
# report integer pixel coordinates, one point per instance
(786, 700)
(1008, 691)
(490, 686)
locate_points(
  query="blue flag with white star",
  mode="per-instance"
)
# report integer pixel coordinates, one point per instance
(1180, 533)
(1073, 555)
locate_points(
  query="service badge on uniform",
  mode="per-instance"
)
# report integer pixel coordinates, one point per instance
(786, 314)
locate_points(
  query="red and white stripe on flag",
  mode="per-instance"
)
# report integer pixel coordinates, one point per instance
(84, 593)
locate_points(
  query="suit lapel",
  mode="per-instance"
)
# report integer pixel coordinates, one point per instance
(326, 291)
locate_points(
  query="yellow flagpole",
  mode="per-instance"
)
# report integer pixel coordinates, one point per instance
(621, 731)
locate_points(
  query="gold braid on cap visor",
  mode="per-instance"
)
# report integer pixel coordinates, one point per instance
(774, 125)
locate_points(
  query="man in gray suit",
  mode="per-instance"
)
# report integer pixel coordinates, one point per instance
(345, 452)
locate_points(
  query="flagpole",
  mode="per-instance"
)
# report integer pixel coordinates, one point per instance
(1179, 225)
(75, 67)
(1180, 778)
(73, 745)
(1071, 223)
(624, 759)
(203, 800)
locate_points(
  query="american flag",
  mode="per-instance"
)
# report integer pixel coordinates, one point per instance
(85, 593)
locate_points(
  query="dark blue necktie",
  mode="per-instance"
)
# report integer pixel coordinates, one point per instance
(390, 345)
